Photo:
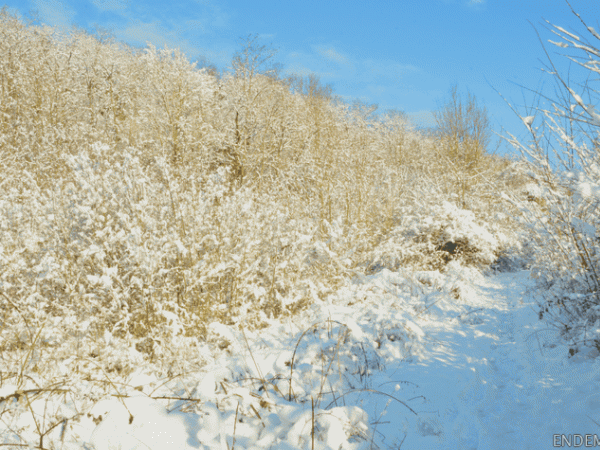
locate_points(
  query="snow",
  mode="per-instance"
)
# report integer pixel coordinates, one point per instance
(528, 121)
(419, 360)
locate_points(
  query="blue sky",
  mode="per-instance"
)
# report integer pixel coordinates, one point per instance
(402, 54)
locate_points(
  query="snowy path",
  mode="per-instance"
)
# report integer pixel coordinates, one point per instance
(488, 385)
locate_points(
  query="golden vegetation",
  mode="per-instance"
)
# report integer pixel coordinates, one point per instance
(153, 198)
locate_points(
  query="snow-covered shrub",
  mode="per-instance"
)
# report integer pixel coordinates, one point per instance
(562, 199)
(429, 237)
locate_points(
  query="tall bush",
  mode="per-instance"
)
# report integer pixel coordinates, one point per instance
(563, 166)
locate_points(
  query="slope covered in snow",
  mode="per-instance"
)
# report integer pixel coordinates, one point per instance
(222, 262)
(411, 361)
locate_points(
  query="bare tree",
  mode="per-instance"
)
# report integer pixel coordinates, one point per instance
(464, 128)
(253, 59)
(310, 86)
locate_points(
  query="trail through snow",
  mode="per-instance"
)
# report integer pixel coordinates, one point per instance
(411, 368)
(498, 378)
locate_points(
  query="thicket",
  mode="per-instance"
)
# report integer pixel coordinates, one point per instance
(137, 185)
(144, 199)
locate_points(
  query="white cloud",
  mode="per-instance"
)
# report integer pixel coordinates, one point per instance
(55, 13)
(381, 81)
(182, 37)
(138, 32)
(304, 64)
(463, 2)
(475, 3)
(298, 69)
(332, 54)
(326, 61)
(219, 55)
(264, 37)
(191, 27)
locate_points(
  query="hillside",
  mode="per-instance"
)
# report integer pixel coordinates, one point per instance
(267, 262)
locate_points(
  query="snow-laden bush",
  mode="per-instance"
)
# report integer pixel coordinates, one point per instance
(429, 237)
(567, 253)
(563, 196)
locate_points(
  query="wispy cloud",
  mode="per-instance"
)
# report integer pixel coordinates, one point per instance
(327, 61)
(266, 37)
(55, 13)
(296, 67)
(139, 33)
(213, 14)
(331, 54)
(304, 63)
(190, 25)
(376, 89)
(382, 81)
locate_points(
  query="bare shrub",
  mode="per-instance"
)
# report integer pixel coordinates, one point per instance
(562, 195)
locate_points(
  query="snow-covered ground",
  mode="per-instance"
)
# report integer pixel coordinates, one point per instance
(391, 361)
